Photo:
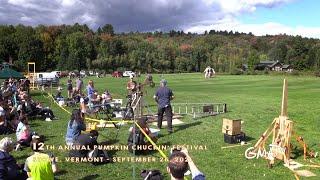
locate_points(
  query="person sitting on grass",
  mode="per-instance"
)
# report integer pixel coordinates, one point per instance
(83, 104)
(96, 98)
(40, 166)
(178, 165)
(58, 97)
(9, 169)
(94, 103)
(137, 140)
(28, 107)
(4, 126)
(89, 141)
(25, 85)
(106, 97)
(45, 112)
(75, 126)
(11, 115)
(76, 97)
(23, 132)
(21, 94)
(34, 109)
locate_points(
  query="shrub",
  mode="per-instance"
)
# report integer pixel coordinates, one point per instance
(236, 71)
(251, 72)
(295, 73)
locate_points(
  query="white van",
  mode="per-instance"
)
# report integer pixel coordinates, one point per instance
(46, 75)
(47, 78)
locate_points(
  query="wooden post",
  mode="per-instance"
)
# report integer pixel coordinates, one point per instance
(284, 103)
(284, 108)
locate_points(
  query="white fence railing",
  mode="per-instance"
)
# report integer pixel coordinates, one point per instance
(197, 110)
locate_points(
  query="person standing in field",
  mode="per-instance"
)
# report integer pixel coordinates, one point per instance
(212, 72)
(90, 90)
(163, 96)
(209, 72)
(79, 84)
(131, 86)
(69, 88)
(206, 72)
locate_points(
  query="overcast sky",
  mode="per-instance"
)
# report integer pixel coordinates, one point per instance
(258, 16)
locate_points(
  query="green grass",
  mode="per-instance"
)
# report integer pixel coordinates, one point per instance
(254, 99)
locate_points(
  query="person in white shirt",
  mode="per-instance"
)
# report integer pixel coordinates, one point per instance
(209, 72)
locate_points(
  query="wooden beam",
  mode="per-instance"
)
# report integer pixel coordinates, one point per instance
(284, 104)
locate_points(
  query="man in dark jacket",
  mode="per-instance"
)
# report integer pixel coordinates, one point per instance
(163, 97)
(9, 169)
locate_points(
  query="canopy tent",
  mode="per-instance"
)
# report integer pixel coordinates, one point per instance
(7, 72)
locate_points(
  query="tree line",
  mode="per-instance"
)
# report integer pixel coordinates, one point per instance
(77, 47)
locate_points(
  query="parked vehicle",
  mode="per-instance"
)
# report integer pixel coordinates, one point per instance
(91, 73)
(128, 74)
(46, 75)
(47, 78)
(117, 74)
(82, 73)
(57, 73)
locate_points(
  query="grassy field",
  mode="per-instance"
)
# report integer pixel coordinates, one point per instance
(254, 99)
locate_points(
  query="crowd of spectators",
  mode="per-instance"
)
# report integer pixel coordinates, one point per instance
(16, 105)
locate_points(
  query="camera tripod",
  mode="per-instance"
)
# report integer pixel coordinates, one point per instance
(106, 111)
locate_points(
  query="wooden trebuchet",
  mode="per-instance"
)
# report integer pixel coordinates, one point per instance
(281, 130)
